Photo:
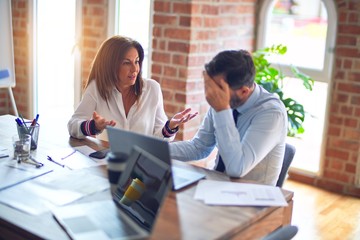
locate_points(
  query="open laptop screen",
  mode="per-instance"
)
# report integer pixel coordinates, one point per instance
(143, 187)
(122, 141)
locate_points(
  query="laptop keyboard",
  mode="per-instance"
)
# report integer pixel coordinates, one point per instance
(110, 223)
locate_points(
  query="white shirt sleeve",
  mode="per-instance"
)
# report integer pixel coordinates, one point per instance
(84, 111)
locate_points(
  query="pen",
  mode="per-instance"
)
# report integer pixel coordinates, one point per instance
(52, 160)
(33, 123)
(24, 124)
(17, 120)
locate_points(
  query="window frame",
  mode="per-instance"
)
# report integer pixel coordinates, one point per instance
(113, 26)
(323, 75)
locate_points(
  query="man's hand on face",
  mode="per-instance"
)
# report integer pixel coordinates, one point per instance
(217, 92)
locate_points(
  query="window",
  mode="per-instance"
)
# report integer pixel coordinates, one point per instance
(132, 19)
(55, 59)
(308, 29)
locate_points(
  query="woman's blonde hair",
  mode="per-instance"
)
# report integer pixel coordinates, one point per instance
(106, 64)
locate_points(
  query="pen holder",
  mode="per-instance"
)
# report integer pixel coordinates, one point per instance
(32, 130)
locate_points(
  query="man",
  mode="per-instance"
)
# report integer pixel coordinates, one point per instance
(253, 147)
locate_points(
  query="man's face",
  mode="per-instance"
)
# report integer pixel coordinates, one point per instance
(236, 95)
(236, 98)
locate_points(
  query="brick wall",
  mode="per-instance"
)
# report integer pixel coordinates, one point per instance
(21, 58)
(343, 140)
(187, 34)
(343, 132)
(94, 32)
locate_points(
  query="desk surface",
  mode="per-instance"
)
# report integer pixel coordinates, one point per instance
(181, 216)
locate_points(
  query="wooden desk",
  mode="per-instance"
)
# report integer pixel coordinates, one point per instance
(181, 216)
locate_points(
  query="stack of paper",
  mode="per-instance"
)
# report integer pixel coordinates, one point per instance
(238, 194)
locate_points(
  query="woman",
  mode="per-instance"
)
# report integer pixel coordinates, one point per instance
(116, 94)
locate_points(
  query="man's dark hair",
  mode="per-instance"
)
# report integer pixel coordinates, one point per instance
(237, 67)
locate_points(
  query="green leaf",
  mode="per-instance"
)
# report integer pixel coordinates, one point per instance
(271, 79)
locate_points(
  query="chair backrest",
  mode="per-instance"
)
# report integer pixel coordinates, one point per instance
(288, 157)
(283, 233)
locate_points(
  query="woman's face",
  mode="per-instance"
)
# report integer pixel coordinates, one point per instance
(129, 68)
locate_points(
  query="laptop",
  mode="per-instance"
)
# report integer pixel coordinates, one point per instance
(122, 141)
(134, 209)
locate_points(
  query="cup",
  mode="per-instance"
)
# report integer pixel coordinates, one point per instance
(116, 163)
(21, 145)
(33, 130)
(133, 192)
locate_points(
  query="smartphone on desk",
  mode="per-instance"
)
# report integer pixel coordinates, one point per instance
(100, 154)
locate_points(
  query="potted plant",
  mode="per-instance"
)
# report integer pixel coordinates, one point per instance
(272, 78)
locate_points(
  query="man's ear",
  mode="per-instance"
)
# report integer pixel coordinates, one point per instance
(244, 90)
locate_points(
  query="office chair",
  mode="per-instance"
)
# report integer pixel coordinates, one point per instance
(283, 233)
(288, 157)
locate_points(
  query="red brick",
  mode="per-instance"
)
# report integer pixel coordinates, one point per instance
(97, 11)
(351, 134)
(336, 164)
(351, 190)
(183, 72)
(337, 154)
(165, 20)
(344, 144)
(183, 34)
(185, 21)
(174, 85)
(161, 57)
(331, 185)
(161, 6)
(351, 122)
(349, 29)
(180, 59)
(350, 168)
(346, 110)
(347, 52)
(167, 95)
(170, 108)
(357, 112)
(196, 8)
(181, 8)
(180, 97)
(336, 175)
(178, 47)
(354, 77)
(95, 2)
(354, 17)
(341, 98)
(346, 40)
(156, 69)
(354, 6)
(209, 9)
(157, 32)
(205, 34)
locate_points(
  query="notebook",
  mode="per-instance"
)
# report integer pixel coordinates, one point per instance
(122, 141)
(134, 209)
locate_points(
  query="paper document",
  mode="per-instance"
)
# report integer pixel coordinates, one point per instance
(238, 194)
(13, 173)
(55, 189)
(76, 158)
